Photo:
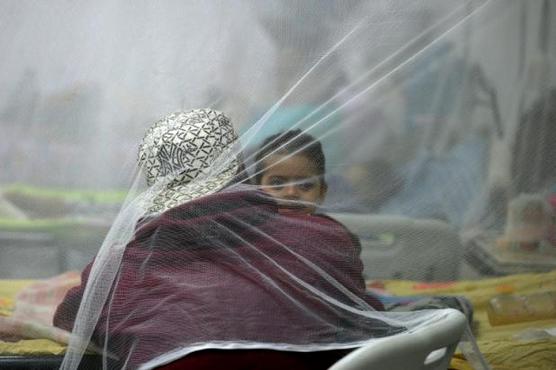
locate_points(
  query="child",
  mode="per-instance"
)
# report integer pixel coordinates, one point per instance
(290, 167)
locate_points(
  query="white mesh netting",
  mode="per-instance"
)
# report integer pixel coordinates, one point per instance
(229, 175)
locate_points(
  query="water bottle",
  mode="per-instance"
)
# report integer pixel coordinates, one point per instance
(510, 309)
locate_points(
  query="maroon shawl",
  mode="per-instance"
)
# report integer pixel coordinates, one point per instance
(230, 268)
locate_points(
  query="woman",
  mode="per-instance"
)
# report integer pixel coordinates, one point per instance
(212, 265)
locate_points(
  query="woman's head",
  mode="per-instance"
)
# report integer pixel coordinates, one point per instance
(189, 154)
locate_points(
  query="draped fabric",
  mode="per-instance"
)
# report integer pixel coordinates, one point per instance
(223, 268)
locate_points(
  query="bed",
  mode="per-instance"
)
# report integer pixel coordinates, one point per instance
(26, 309)
(530, 345)
(523, 346)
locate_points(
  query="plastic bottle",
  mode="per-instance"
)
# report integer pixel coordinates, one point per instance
(511, 309)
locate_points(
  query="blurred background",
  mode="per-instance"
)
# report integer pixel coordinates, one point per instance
(434, 115)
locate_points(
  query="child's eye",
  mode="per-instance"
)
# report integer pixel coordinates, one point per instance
(306, 185)
(277, 183)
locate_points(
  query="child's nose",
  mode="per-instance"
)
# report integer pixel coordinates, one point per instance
(291, 191)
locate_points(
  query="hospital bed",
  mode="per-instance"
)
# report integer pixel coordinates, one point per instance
(397, 247)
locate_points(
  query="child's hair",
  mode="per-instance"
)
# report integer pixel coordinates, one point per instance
(293, 142)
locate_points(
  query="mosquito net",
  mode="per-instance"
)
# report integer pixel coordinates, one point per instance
(228, 176)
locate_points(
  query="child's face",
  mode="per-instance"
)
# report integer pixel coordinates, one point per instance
(293, 178)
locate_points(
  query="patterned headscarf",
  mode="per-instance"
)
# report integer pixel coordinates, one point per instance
(189, 154)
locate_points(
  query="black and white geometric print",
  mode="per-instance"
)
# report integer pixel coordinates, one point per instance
(182, 150)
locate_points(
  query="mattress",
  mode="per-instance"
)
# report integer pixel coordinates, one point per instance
(526, 345)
